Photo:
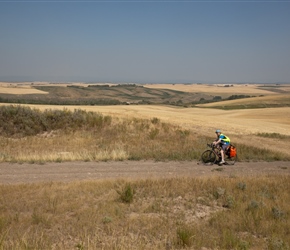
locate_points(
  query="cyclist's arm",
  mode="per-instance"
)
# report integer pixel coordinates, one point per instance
(217, 141)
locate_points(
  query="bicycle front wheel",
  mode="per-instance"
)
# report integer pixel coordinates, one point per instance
(208, 157)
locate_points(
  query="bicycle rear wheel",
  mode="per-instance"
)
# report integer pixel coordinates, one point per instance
(208, 157)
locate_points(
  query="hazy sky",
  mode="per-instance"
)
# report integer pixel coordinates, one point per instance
(145, 41)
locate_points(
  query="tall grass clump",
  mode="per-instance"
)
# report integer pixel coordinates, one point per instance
(252, 153)
(274, 136)
(174, 213)
(126, 193)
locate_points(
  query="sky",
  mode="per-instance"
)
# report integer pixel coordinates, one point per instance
(145, 41)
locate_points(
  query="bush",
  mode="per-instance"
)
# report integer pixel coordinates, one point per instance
(126, 194)
(24, 121)
(185, 236)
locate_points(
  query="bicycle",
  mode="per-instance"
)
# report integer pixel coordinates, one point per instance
(213, 156)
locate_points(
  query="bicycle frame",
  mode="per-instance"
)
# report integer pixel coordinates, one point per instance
(213, 156)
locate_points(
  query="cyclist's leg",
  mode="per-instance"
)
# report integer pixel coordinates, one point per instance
(222, 155)
(223, 150)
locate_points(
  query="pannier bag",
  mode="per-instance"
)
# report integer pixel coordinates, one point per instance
(233, 151)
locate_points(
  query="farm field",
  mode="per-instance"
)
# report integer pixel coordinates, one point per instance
(19, 90)
(254, 102)
(186, 95)
(222, 89)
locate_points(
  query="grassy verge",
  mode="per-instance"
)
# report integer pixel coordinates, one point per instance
(29, 135)
(195, 213)
(274, 136)
(248, 106)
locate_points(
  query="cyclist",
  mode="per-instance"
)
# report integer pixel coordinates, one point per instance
(224, 142)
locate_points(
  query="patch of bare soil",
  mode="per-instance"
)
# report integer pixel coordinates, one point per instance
(13, 173)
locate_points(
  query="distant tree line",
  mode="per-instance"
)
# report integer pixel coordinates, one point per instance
(107, 101)
(232, 97)
(113, 86)
(219, 98)
(62, 101)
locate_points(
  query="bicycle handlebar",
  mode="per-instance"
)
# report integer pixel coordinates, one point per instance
(211, 145)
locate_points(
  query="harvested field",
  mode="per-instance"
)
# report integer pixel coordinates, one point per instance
(261, 101)
(20, 90)
(214, 89)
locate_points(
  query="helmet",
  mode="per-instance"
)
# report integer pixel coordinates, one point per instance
(218, 131)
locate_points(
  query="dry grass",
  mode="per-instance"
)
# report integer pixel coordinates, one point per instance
(209, 213)
(121, 139)
(237, 122)
(241, 126)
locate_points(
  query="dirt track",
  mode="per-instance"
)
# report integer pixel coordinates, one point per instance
(77, 171)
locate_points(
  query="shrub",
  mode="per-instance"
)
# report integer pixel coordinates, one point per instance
(185, 236)
(155, 120)
(24, 121)
(126, 194)
(277, 213)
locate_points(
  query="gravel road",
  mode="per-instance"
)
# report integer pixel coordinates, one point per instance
(14, 173)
